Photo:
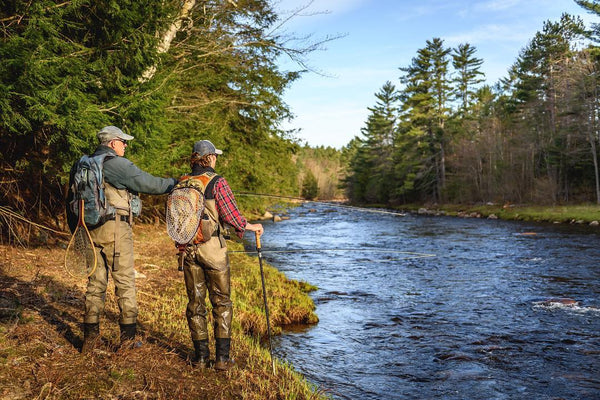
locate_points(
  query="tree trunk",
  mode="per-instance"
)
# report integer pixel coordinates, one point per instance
(165, 42)
(592, 139)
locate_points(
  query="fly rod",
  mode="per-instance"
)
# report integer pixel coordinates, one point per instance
(408, 254)
(264, 290)
(331, 203)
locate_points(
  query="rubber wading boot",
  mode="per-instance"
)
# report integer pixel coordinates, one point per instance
(128, 332)
(201, 354)
(91, 335)
(223, 362)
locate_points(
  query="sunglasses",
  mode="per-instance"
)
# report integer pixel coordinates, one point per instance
(121, 140)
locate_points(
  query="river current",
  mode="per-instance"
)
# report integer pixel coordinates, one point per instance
(423, 307)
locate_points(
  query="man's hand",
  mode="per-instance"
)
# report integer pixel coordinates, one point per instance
(258, 228)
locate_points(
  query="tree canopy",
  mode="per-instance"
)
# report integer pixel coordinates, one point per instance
(532, 137)
(168, 73)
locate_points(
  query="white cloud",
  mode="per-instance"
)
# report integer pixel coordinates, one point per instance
(493, 33)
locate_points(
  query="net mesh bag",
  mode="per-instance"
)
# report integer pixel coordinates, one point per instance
(184, 212)
(80, 259)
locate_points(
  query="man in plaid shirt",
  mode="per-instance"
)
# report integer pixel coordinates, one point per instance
(206, 265)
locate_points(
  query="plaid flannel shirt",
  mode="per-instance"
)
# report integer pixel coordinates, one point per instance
(227, 207)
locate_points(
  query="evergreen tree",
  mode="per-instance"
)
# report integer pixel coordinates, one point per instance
(68, 69)
(310, 186)
(538, 82)
(425, 110)
(372, 171)
(356, 179)
(467, 75)
(169, 73)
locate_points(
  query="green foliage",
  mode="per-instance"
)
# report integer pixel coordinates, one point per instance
(229, 91)
(426, 107)
(310, 187)
(532, 137)
(70, 68)
(468, 75)
(371, 161)
(327, 166)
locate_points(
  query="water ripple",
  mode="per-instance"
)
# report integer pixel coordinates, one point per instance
(487, 318)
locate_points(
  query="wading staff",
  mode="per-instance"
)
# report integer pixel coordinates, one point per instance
(264, 290)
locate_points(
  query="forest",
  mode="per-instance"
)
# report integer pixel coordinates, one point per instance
(176, 72)
(439, 135)
(168, 73)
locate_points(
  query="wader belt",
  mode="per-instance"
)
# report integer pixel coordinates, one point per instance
(124, 218)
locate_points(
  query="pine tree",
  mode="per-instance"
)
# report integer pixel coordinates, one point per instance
(425, 110)
(537, 77)
(310, 186)
(68, 69)
(166, 75)
(467, 75)
(372, 166)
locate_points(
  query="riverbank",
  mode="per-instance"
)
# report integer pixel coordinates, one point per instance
(41, 309)
(572, 214)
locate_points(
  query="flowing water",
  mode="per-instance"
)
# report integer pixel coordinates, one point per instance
(422, 307)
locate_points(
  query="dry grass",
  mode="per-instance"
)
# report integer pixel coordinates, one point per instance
(41, 309)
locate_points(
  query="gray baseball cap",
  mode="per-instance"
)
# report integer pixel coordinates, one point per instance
(110, 132)
(204, 147)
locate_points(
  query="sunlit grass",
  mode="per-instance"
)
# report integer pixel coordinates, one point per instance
(584, 213)
(288, 303)
(39, 354)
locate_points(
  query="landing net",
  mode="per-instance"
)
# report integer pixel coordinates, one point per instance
(184, 212)
(80, 257)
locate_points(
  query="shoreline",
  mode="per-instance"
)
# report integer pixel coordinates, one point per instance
(584, 214)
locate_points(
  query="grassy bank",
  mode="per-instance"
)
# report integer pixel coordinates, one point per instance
(583, 214)
(41, 309)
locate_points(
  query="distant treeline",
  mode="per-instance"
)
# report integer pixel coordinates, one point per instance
(321, 173)
(169, 73)
(440, 136)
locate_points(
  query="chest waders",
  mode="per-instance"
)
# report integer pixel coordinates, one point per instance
(114, 244)
(206, 269)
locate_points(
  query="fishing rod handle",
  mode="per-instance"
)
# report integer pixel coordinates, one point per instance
(257, 236)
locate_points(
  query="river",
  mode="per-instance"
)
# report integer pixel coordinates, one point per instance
(423, 307)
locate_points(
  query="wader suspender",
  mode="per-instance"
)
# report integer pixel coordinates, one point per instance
(117, 250)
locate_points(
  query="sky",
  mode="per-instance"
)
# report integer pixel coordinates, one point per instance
(377, 37)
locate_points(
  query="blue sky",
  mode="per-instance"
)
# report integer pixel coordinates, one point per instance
(383, 35)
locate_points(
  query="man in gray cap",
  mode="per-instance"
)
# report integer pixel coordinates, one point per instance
(206, 264)
(114, 238)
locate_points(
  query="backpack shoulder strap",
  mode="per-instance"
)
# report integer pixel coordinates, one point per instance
(199, 182)
(211, 184)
